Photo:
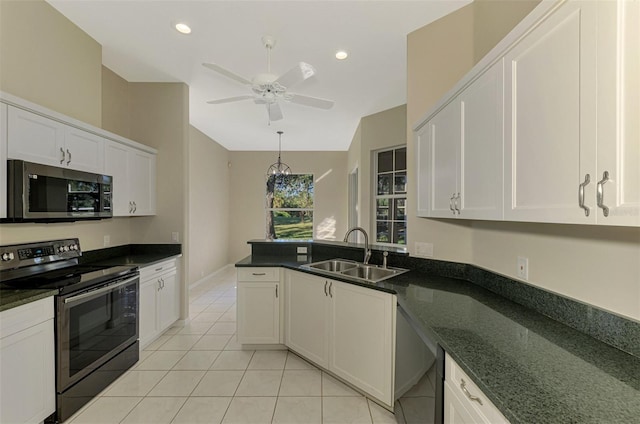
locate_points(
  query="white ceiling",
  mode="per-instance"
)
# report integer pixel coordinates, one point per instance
(139, 43)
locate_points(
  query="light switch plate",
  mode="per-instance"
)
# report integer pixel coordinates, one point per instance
(106, 241)
(301, 250)
(175, 237)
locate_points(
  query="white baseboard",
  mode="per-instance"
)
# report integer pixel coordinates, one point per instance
(213, 274)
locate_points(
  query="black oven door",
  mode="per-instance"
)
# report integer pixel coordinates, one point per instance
(93, 326)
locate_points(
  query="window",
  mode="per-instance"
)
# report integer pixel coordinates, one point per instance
(391, 195)
(290, 206)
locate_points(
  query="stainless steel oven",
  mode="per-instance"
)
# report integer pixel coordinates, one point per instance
(93, 326)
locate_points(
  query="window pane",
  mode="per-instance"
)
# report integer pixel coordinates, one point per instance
(293, 224)
(385, 161)
(400, 183)
(382, 209)
(401, 159)
(382, 232)
(399, 229)
(384, 183)
(400, 209)
(293, 191)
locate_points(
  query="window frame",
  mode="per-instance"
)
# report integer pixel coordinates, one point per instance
(375, 197)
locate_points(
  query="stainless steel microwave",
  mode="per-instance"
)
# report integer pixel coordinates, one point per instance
(37, 192)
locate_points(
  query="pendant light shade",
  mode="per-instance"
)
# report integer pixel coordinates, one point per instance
(279, 168)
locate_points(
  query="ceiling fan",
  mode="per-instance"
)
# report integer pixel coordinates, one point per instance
(268, 88)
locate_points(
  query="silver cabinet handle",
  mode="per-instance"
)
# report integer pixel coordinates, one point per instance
(159, 269)
(600, 193)
(451, 205)
(130, 207)
(69, 154)
(258, 273)
(587, 180)
(159, 285)
(325, 287)
(63, 156)
(330, 284)
(276, 291)
(455, 203)
(463, 386)
(135, 207)
(162, 279)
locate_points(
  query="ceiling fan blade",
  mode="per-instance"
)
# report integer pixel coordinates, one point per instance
(296, 75)
(274, 111)
(230, 99)
(310, 101)
(219, 69)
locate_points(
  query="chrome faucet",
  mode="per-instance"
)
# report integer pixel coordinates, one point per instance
(367, 252)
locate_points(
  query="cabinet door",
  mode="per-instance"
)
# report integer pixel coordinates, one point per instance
(455, 411)
(306, 327)
(148, 311)
(443, 161)
(84, 150)
(3, 160)
(363, 338)
(169, 304)
(618, 113)
(481, 191)
(115, 164)
(34, 138)
(258, 312)
(550, 117)
(27, 375)
(142, 172)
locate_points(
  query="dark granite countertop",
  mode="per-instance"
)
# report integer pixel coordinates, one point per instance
(534, 369)
(10, 298)
(140, 255)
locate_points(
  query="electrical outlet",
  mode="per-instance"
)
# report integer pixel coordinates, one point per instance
(301, 250)
(424, 250)
(523, 268)
(107, 241)
(175, 237)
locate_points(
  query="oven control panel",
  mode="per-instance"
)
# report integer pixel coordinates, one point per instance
(19, 255)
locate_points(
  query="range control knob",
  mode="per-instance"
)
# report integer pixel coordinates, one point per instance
(60, 249)
(7, 256)
(66, 248)
(74, 247)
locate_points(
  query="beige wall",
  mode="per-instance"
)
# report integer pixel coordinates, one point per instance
(46, 59)
(378, 131)
(597, 265)
(247, 194)
(208, 206)
(116, 103)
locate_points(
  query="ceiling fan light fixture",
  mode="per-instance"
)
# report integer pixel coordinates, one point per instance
(279, 167)
(341, 55)
(183, 28)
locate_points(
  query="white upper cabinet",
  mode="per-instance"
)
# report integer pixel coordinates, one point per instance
(460, 154)
(550, 116)
(618, 115)
(38, 139)
(134, 179)
(549, 131)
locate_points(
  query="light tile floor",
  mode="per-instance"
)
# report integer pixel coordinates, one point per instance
(197, 373)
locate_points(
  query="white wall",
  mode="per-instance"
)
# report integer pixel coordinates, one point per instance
(209, 178)
(247, 195)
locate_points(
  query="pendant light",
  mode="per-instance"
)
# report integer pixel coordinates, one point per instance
(279, 168)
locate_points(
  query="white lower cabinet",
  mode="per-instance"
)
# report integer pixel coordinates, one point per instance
(259, 306)
(346, 329)
(27, 363)
(464, 402)
(159, 299)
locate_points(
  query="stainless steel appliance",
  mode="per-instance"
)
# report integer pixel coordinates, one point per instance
(96, 316)
(37, 192)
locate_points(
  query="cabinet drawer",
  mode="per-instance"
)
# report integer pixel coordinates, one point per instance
(458, 381)
(149, 272)
(259, 274)
(25, 316)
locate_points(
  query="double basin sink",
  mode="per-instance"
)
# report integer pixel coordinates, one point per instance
(365, 272)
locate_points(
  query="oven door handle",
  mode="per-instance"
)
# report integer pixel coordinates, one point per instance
(99, 291)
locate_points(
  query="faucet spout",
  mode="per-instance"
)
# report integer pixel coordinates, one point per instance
(367, 251)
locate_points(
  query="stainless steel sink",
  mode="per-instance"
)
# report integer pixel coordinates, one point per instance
(358, 270)
(335, 265)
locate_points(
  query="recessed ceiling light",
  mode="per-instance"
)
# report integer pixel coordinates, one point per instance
(341, 55)
(183, 28)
